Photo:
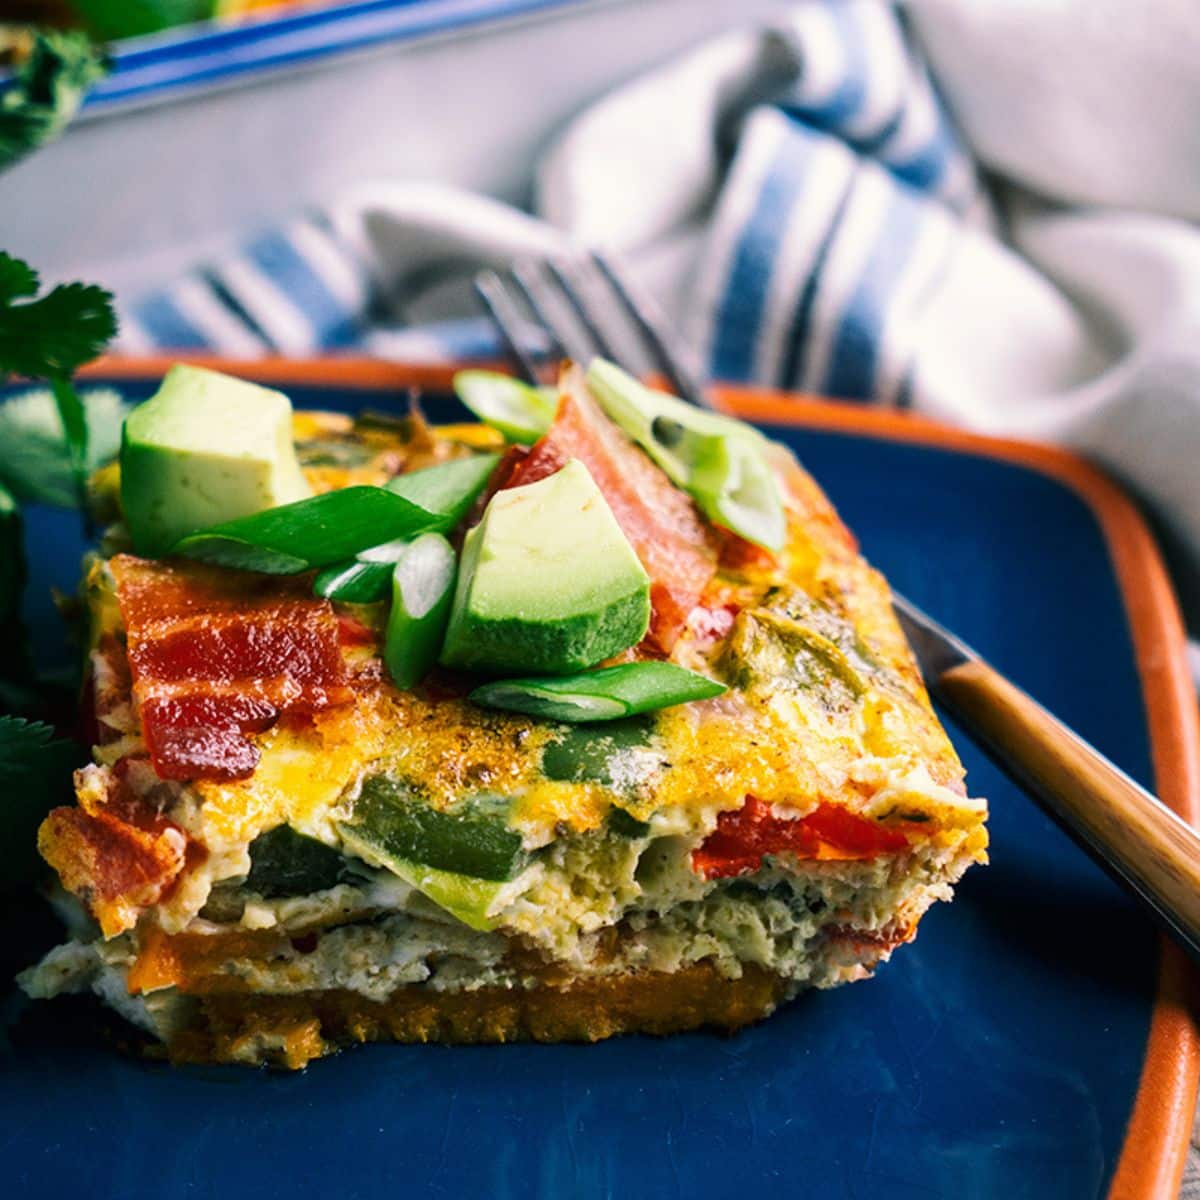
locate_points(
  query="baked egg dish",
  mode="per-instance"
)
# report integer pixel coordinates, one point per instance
(585, 719)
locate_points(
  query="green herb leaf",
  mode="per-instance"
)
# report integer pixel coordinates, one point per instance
(34, 460)
(47, 90)
(35, 775)
(520, 412)
(15, 663)
(17, 279)
(55, 335)
(601, 695)
(52, 337)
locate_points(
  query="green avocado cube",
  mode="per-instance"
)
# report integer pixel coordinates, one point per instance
(547, 583)
(204, 449)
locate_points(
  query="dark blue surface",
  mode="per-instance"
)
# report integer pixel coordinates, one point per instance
(997, 1056)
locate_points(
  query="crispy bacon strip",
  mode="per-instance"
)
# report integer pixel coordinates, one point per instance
(116, 851)
(670, 537)
(215, 655)
(742, 838)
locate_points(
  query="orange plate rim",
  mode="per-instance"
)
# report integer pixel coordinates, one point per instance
(1157, 1137)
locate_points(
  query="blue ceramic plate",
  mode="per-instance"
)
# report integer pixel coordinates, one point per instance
(997, 1056)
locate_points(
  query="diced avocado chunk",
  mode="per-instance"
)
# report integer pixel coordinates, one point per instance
(473, 838)
(286, 863)
(548, 582)
(204, 449)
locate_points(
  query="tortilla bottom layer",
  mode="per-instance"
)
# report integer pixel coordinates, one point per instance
(290, 1031)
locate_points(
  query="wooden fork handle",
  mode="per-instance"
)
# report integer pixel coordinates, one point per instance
(1121, 823)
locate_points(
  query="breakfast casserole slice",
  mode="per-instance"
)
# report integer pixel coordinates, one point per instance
(590, 719)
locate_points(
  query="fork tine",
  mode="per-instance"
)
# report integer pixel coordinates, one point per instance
(489, 287)
(668, 352)
(569, 289)
(537, 285)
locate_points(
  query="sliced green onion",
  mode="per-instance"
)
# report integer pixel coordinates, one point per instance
(386, 553)
(328, 529)
(366, 578)
(721, 463)
(422, 591)
(355, 581)
(447, 490)
(734, 487)
(600, 695)
(520, 412)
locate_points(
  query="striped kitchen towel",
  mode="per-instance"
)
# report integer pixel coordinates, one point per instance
(945, 205)
(833, 217)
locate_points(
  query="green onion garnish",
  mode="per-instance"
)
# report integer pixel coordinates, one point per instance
(329, 529)
(602, 695)
(721, 463)
(354, 581)
(365, 579)
(520, 412)
(422, 590)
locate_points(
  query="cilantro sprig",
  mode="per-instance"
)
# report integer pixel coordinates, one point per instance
(50, 337)
(35, 465)
(35, 775)
(46, 91)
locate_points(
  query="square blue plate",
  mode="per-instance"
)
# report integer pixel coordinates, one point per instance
(997, 1056)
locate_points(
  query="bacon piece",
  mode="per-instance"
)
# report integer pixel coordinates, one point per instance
(116, 868)
(737, 554)
(215, 655)
(742, 838)
(117, 851)
(868, 944)
(675, 546)
(712, 623)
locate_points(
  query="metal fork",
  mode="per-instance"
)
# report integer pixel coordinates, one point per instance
(574, 303)
(587, 307)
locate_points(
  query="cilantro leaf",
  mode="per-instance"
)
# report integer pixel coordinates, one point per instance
(56, 334)
(47, 90)
(35, 775)
(50, 338)
(17, 279)
(15, 662)
(35, 464)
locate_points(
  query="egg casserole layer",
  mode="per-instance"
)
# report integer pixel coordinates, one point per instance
(693, 866)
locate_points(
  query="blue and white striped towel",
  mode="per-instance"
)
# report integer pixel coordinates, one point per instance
(806, 201)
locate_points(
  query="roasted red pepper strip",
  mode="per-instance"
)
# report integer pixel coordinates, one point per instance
(742, 838)
(662, 524)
